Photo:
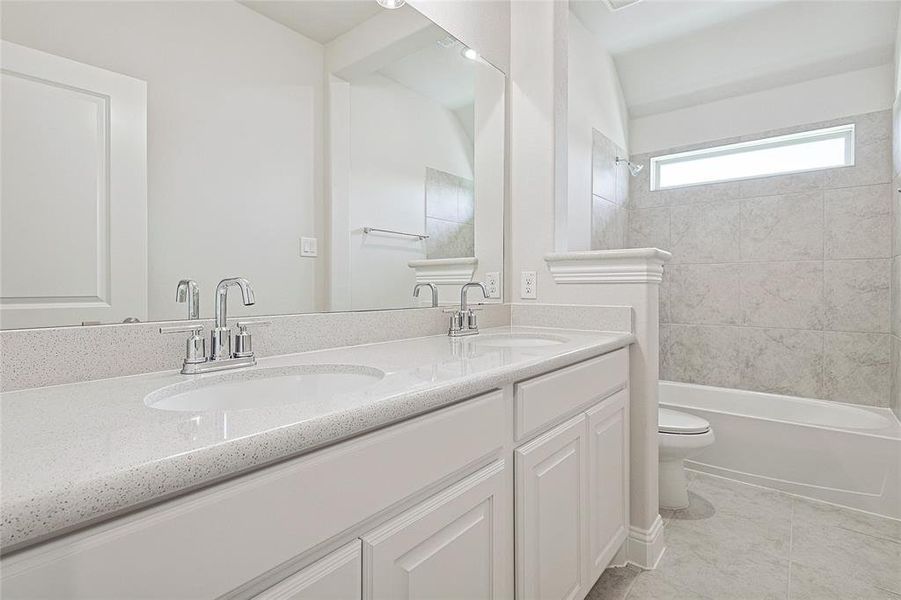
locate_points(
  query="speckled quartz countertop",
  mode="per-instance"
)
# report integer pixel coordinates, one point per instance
(78, 453)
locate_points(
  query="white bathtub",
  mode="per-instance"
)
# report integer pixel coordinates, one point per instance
(840, 453)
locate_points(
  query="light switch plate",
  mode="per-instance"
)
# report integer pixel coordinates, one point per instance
(528, 285)
(309, 246)
(493, 284)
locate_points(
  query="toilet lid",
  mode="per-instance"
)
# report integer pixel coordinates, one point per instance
(673, 421)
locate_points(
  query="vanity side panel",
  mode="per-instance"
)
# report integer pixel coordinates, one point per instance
(213, 541)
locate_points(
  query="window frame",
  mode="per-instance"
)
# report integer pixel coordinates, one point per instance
(846, 132)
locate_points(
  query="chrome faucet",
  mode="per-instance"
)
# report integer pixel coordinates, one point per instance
(220, 338)
(432, 287)
(188, 292)
(221, 356)
(464, 321)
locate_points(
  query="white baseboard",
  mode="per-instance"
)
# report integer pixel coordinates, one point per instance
(643, 547)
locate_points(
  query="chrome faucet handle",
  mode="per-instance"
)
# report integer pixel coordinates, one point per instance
(244, 340)
(195, 347)
(198, 328)
(245, 324)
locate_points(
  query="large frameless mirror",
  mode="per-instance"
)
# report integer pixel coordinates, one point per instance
(333, 153)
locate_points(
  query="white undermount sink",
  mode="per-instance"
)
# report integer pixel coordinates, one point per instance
(517, 340)
(258, 388)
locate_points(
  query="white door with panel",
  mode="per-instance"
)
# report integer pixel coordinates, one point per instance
(334, 577)
(608, 480)
(450, 546)
(73, 203)
(551, 514)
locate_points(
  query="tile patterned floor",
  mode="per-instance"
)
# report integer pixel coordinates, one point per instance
(739, 542)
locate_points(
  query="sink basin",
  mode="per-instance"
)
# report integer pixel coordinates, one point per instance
(258, 388)
(518, 340)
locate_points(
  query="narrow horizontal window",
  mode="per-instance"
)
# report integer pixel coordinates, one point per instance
(794, 153)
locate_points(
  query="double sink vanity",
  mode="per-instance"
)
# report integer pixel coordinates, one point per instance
(484, 466)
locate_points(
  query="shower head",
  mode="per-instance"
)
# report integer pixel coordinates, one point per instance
(634, 169)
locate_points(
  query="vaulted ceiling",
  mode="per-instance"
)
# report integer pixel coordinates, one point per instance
(672, 53)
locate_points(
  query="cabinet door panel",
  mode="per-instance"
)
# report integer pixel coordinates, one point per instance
(550, 514)
(338, 576)
(608, 480)
(450, 546)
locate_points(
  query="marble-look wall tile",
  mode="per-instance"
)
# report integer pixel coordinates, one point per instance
(858, 295)
(857, 367)
(711, 193)
(448, 239)
(896, 296)
(704, 294)
(665, 296)
(872, 164)
(704, 233)
(663, 366)
(623, 181)
(896, 208)
(608, 225)
(783, 294)
(792, 183)
(702, 354)
(782, 361)
(858, 222)
(649, 228)
(603, 166)
(782, 227)
(807, 251)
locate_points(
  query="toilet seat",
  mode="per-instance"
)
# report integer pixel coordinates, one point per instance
(674, 422)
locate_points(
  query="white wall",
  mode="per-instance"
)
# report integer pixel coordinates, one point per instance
(394, 135)
(852, 93)
(233, 137)
(594, 101)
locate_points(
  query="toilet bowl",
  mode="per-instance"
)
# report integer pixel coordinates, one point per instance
(681, 435)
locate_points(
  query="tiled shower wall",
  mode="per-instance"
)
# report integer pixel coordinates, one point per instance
(449, 213)
(609, 194)
(779, 284)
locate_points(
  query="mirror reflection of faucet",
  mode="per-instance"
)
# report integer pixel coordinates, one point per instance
(432, 287)
(221, 356)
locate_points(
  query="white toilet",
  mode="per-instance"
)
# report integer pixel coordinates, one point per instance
(681, 435)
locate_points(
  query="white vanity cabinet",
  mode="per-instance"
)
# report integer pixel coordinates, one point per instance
(450, 546)
(551, 514)
(519, 492)
(572, 482)
(335, 577)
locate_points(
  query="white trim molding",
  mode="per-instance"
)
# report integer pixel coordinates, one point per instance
(634, 265)
(642, 548)
(445, 271)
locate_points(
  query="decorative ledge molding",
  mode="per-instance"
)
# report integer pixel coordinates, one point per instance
(445, 271)
(634, 265)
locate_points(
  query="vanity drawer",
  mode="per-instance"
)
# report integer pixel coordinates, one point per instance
(547, 399)
(212, 541)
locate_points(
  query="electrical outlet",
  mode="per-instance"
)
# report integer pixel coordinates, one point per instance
(528, 285)
(493, 284)
(309, 246)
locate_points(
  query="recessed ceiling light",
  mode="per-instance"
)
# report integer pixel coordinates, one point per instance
(391, 4)
(470, 54)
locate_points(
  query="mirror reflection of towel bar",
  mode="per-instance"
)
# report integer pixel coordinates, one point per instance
(420, 236)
